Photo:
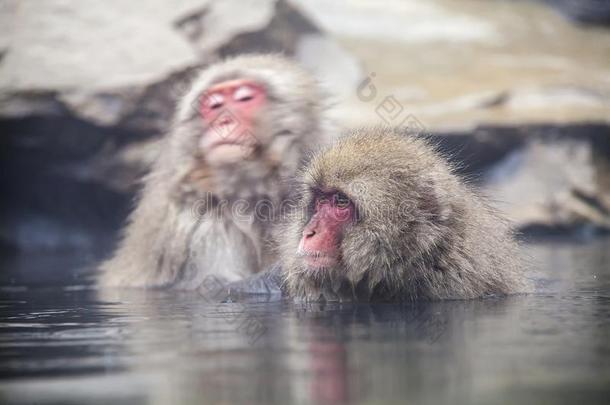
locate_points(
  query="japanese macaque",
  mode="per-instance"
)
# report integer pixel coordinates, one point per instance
(205, 208)
(381, 216)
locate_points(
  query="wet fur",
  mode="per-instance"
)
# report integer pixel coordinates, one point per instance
(421, 232)
(179, 232)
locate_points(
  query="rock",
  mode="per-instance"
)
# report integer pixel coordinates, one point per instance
(338, 71)
(550, 180)
(510, 94)
(506, 64)
(215, 24)
(110, 64)
(87, 88)
(596, 12)
(66, 45)
(123, 65)
(556, 97)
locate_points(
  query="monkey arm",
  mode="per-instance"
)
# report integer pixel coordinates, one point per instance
(268, 283)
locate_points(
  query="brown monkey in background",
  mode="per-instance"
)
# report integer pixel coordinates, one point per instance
(381, 216)
(245, 124)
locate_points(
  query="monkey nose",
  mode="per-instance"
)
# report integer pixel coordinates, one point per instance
(309, 233)
(225, 120)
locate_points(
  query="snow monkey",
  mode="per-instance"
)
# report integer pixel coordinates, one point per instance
(245, 124)
(382, 216)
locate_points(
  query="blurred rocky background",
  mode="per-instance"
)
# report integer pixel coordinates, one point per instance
(517, 92)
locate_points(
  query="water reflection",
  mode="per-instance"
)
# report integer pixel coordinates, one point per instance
(67, 344)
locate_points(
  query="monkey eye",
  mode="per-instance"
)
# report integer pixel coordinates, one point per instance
(322, 199)
(214, 101)
(341, 200)
(243, 93)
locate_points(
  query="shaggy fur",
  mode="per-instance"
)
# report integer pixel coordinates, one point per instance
(421, 233)
(192, 221)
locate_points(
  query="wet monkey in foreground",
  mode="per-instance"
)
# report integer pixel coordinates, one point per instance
(381, 216)
(245, 125)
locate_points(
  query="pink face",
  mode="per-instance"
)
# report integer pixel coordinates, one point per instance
(229, 110)
(320, 244)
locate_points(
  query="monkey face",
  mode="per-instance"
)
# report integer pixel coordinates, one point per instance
(320, 245)
(242, 122)
(229, 111)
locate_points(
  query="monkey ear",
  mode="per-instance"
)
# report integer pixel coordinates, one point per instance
(445, 211)
(444, 207)
(437, 203)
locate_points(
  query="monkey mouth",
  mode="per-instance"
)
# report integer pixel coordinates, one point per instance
(227, 142)
(226, 135)
(318, 260)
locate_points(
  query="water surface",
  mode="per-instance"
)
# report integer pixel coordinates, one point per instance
(63, 342)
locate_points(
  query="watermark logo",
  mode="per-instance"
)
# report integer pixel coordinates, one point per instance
(213, 291)
(389, 109)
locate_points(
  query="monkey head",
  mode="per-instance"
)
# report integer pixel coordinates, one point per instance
(248, 114)
(380, 214)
